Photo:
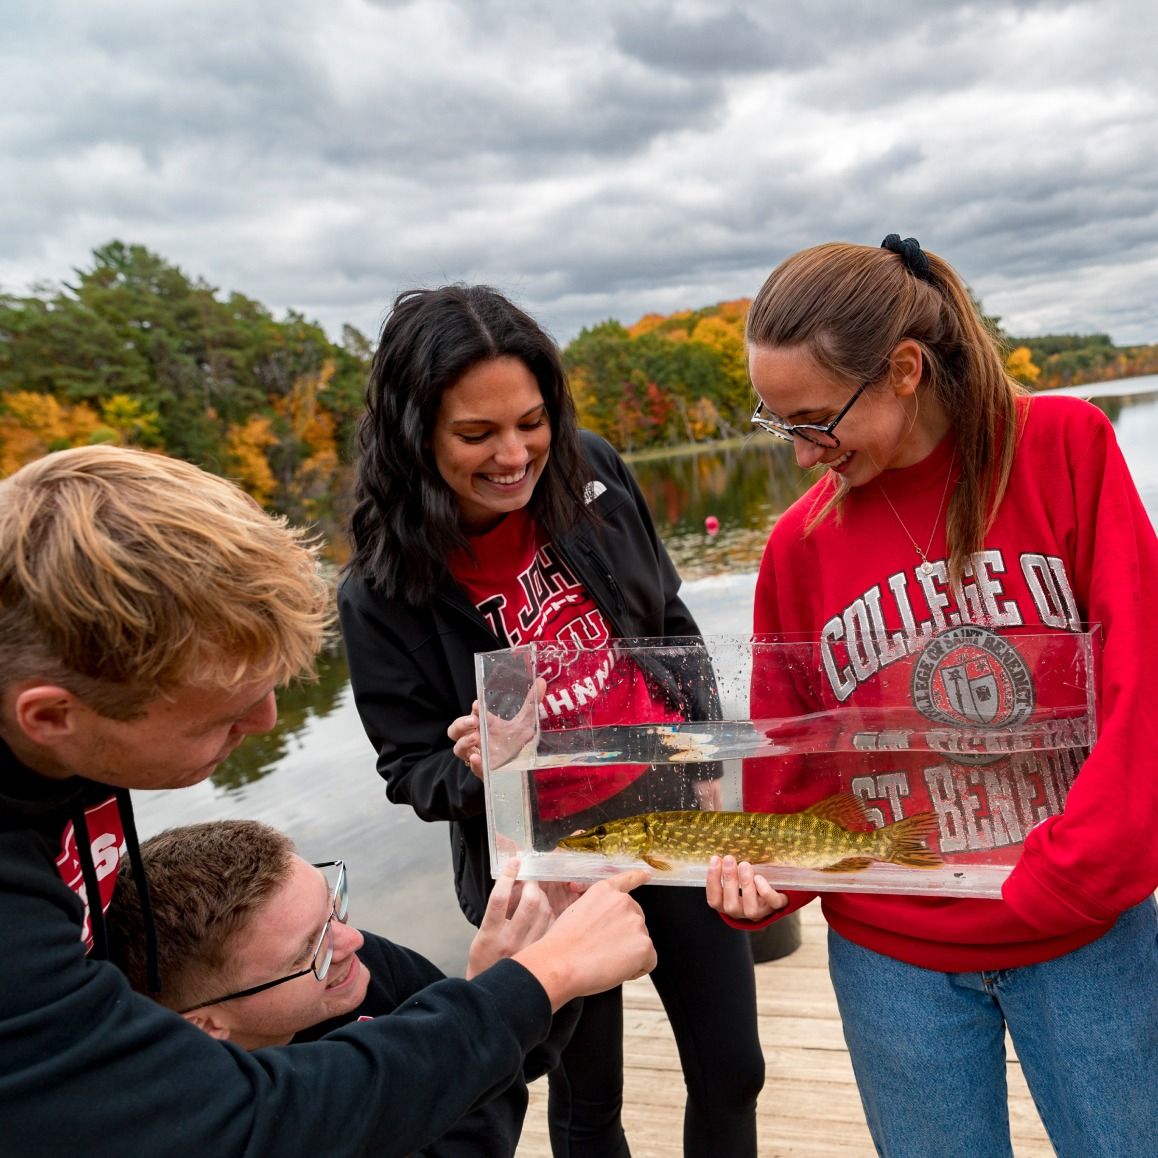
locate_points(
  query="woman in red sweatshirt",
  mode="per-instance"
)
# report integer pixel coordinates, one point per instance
(951, 502)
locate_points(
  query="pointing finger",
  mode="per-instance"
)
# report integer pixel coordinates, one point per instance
(631, 879)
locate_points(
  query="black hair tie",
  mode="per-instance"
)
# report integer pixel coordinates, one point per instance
(911, 253)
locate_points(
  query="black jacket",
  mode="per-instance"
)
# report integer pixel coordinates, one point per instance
(88, 1067)
(412, 668)
(397, 975)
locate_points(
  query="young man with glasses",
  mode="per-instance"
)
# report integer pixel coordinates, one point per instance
(148, 610)
(253, 947)
(252, 944)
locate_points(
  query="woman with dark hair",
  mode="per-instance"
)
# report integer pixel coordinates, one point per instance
(954, 515)
(476, 489)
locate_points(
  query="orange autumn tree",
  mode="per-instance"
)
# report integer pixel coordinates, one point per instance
(1019, 365)
(307, 452)
(33, 423)
(246, 446)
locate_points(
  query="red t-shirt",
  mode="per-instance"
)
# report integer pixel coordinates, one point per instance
(527, 594)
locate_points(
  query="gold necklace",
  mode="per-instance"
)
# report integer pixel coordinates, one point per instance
(926, 566)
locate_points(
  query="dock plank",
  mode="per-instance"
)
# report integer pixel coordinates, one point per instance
(809, 1108)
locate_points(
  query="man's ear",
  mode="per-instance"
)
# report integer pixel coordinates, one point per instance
(906, 364)
(211, 1023)
(47, 713)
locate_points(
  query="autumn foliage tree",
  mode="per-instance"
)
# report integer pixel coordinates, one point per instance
(664, 380)
(1073, 359)
(134, 351)
(33, 423)
(1019, 364)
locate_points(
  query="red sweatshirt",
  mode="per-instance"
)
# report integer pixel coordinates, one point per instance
(1071, 545)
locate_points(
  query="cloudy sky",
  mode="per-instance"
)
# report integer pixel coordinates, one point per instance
(595, 159)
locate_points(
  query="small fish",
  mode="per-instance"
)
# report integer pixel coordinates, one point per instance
(830, 836)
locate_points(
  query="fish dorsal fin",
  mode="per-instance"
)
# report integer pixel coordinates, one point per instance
(842, 808)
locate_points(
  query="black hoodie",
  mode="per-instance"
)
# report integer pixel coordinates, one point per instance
(90, 1068)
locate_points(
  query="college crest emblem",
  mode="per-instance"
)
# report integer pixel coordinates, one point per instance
(970, 676)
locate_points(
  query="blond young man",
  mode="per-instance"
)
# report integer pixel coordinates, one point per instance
(253, 947)
(148, 610)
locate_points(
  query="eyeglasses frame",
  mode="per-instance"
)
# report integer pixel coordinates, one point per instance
(789, 432)
(339, 900)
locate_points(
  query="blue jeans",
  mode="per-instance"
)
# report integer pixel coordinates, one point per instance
(928, 1048)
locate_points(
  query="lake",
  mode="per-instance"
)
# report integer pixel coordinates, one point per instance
(314, 776)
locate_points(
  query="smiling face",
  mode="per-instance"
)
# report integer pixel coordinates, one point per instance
(279, 939)
(886, 428)
(491, 440)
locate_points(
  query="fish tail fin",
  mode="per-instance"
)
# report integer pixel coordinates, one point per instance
(907, 841)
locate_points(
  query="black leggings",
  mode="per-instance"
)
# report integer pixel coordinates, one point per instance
(706, 982)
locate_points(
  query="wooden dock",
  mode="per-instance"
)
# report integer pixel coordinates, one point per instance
(810, 1104)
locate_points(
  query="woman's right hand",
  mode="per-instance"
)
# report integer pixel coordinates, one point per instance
(467, 741)
(740, 893)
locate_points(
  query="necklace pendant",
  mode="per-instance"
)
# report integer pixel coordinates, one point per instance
(926, 567)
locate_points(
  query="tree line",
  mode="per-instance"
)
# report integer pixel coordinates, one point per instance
(134, 351)
(1073, 359)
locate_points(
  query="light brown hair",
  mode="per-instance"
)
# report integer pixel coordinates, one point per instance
(206, 882)
(850, 305)
(125, 574)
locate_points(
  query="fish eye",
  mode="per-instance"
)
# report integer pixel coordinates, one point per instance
(601, 830)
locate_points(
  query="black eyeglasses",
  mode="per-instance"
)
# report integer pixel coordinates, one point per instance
(323, 953)
(819, 435)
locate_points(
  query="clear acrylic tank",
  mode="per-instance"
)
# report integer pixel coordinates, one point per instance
(919, 766)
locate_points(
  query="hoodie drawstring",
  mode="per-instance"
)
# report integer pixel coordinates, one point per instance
(129, 822)
(92, 889)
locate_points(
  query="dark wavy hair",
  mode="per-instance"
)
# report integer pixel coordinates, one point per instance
(406, 519)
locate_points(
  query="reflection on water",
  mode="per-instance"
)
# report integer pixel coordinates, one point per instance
(298, 708)
(314, 775)
(744, 485)
(1135, 419)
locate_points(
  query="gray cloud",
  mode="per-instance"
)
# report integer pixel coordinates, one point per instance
(718, 40)
(596, 160)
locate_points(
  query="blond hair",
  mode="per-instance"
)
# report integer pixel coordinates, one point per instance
(850, 305)
(125, 575)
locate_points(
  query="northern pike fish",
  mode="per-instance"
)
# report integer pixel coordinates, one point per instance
(833, 836)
